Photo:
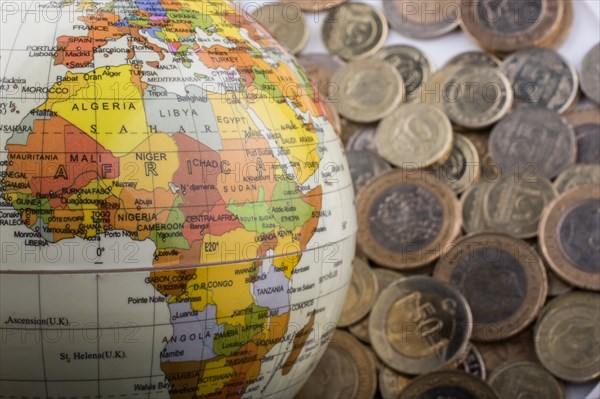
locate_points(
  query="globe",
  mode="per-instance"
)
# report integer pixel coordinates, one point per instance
(176, 210)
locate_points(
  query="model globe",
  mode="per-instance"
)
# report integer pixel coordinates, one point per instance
(176, 211)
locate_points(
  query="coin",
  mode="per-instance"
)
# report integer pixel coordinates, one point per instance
(533, 141)
(489, 169)
(345, 371)
(405, 219)
(473, 363)
(525, 379)
(587, 131)
(513, 205)
(566, 335)
(477, 58)
(448, 384)
(577, 175)
(569, 232)
(391, 383)
(556, 286)
(461, 169)
(363, 138)
(542, 77)
(365, 165)
(368, 90)
(502, 278)
(559, 33)
(354, 31)
(315, 5)
(419, 324)
(475, 97)
(384, 278)
(415, 136)
(320, 68)
(431, 90)
(286, 23)
(414, 66)
(361, 295)
(506, 26)
(519, 347)
(590, 74)
(471, 201)
(424, 19)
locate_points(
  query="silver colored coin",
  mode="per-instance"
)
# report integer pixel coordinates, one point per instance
(474, 58)
(514, 205)
(590, 74)
(542, 77)
(384, 278)
(415, 136)
(534, 141)
(474, 220)
(473, 363)
(363, 139)
(476, 97)
(365, 165)
(354, 31)
(556, 286)
(361, 295)
(462, 168)
(368, 90)
(346, 370)
(587, 131)
(285, 23)
(398, 320)
(577, 175)
(414, 66)
(423, 19)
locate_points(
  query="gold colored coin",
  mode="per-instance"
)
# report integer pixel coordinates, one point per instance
(368, 90)
(448, 384)
(525, 379)
(503, 279)
(384, 278)
(346, 370)
(514, 205)
(462, 168)
(510, 28)
(361, 295)
(471, 201)
(406, 218)
(518, 347)
(415, 136)
(420, 324)
(314, 5)
(354, 31)
(567, 342)
(286, 23)
(569, 234)
(392, 383)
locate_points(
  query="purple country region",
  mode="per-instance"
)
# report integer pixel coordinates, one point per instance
(193, 333)
(153, 7)
(271, 289)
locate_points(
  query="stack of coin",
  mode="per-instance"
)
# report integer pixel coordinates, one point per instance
(493, 144)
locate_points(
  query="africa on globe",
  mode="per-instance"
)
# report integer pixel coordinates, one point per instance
(176, 211)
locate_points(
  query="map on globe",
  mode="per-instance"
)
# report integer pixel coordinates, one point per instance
(176, 212)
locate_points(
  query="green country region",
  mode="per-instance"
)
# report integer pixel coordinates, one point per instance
(235, 336)
(170, 233)
(255, 216)
(288, 207)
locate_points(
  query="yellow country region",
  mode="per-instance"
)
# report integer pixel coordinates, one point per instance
(152, 163)
(216, 375)
(233, 121)
(196, 292)
(65, 89)
(287, 251)
(110, 108)
(295, 141)
(289, 83)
